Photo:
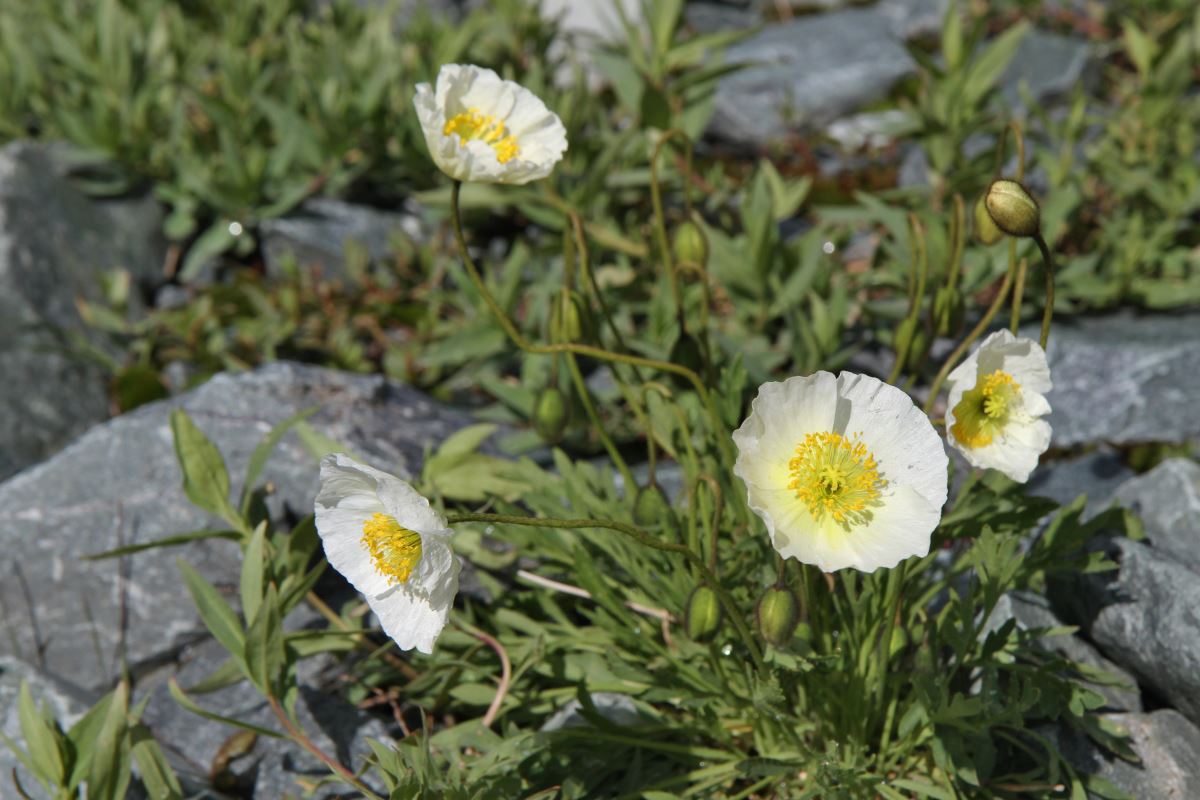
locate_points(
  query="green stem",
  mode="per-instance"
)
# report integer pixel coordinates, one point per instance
(975, 333)
(609, 446)
(660, 221)
(724, 442)
(920, 268)
(1048, 314)
(1019, 268)
(640, 536)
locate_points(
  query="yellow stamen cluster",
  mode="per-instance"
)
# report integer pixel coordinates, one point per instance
(395, 550)
(472, 124)
(983, 411)
(836, 476)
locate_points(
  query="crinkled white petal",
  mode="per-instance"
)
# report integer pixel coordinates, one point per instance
(350, 494)
(540, 135)
(1016, 450)
(906, 447)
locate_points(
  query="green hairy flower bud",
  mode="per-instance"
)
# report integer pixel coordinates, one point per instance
(703, 617)
(690, 244)
(550, 414)
(948, 311)
(778, 614)
(569, 318)
(1012, 208)
(986, 230)
(650, 507)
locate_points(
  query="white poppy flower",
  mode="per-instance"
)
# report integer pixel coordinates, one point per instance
(387, 541)
(996, 404)
(481, 128)
(845, 471)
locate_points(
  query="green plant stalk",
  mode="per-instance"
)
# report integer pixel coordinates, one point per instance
(724, 441)
(975, 333)
(1018, 284)
(660, 222)
(891, 607)
(333, 764)
(1048, 314)
(920, 266)
(638, 535)
(609, 446)
(959, 238)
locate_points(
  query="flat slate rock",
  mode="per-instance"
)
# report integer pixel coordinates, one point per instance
(318, 233)
(120, 484)
(1143, 617)
(806, 73)
(1096, 474)
(1124, 379)
(55, 242)
(1167, 744)
(1050, 65)
(1167, 499)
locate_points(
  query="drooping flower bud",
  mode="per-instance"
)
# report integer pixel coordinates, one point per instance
(690, 244)
(1013, 208)
(986, 230)
(703, 617)
(569, 318)
(778, 614)
(651, 507)
(550, 414)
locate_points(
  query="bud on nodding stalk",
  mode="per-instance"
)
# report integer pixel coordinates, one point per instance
(1012, 208)
(703, 616)
(986, 230)
(948, 311)
(690, 244)
(568, 318)
(778, 615)
(650, 507)
(550, 414)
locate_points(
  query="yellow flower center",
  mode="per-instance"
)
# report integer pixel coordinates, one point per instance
(836, 477)
(985, 409)
(471, 124)
(394, 549)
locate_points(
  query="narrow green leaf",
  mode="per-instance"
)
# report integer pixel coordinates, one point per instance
(155, 773)
(205, 479)
(166, 541)
(218, 617)
(109, 772)
(189, 704)
(258, 459)
(45, 750)
(264, 651)
(253, 566)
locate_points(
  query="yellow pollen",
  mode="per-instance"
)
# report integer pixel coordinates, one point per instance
(472, 124)
(394, 549)
(836, 476)
(984, 410)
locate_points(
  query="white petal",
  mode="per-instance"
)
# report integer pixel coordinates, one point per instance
(900, 436)
(897, 530)
(414, 618)
(346, 500)
(1022, 358)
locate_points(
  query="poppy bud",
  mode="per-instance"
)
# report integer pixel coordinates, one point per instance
(690, 244)
(778, 614)
(985, 228)
(1012, 208)
(568, 318)
(703, 616)
(650, 507)
(550, 414)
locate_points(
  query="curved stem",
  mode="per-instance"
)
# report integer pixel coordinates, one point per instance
(609, 446)
(975, 333)
(1048, 261)
(724, 443)
(505, 671)
(302, 739)
(640, 536)
(660, 220)
(918, 272)
(1018, 268)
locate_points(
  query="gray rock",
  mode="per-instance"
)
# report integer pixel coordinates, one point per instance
(712, 17)
(805, 73)
(1143, 617)
(318, 232)
(1124, 379)
(54, 244)
(1167, 744)
(66, 702)
(1032, 611)
(1096, 474)
(120, 484)
(913, 19)
(1167, 498)
(272, 766)
(1051, 65)
(619, 709)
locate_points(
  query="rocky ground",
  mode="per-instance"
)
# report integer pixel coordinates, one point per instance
(74, 482)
